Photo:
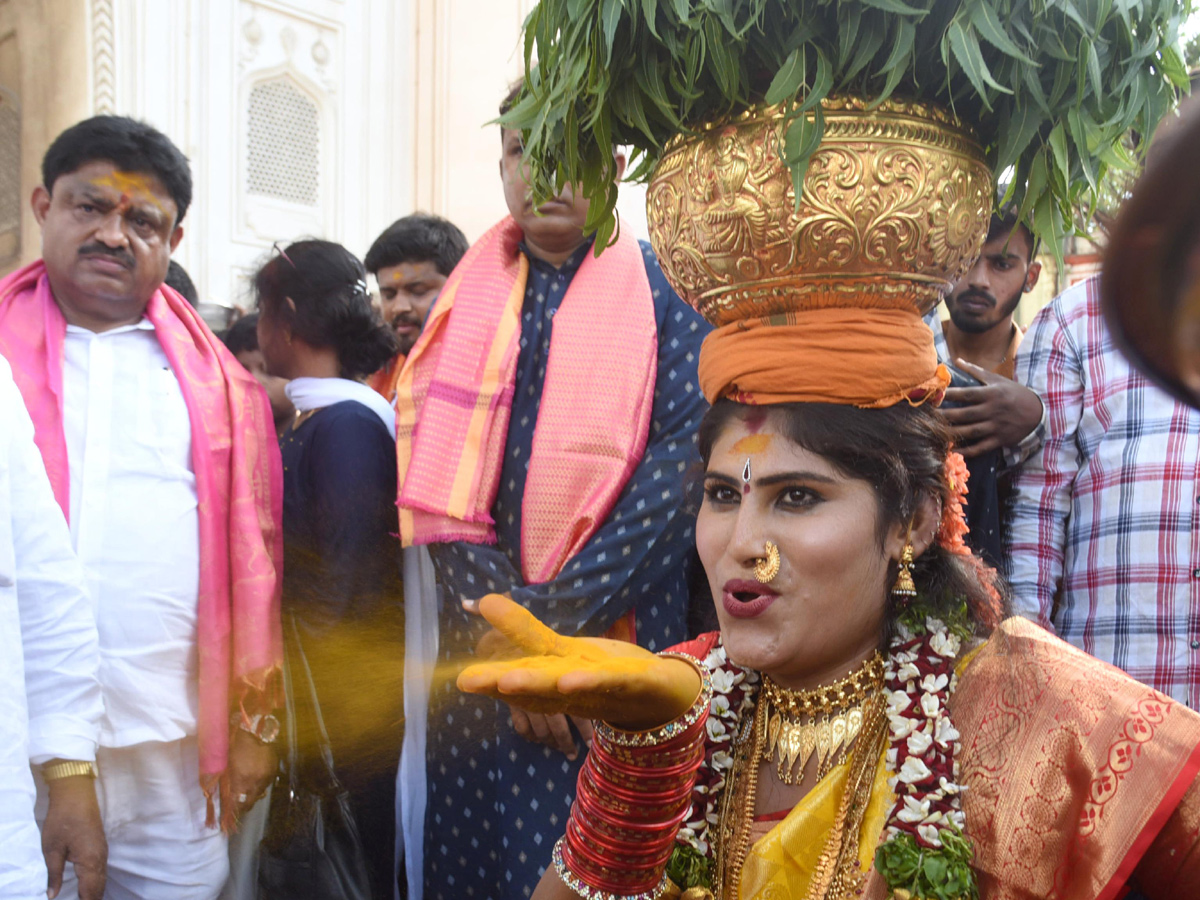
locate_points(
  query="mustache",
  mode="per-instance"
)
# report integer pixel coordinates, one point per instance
(124, 257)
(981, 295)
(406, 319)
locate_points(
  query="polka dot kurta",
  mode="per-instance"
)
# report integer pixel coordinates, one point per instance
(497, 803)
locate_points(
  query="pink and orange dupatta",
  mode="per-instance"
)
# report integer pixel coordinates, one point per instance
(454, 398)
(239, 480)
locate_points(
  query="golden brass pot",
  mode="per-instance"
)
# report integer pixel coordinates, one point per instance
(895, 207)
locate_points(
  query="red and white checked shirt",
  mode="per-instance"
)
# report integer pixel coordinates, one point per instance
(1103, 542)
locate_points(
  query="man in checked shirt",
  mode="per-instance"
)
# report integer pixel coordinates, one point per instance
(1103, 538)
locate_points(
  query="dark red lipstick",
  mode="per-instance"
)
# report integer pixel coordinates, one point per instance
(745, 599)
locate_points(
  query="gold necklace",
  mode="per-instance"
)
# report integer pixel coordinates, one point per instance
(737, 806)
(838, 874)
(820, 723)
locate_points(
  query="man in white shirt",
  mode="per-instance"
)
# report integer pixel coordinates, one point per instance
(162, 455)
(49, 697)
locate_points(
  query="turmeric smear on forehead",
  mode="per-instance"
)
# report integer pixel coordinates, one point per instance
(130, 185)
(751, 444)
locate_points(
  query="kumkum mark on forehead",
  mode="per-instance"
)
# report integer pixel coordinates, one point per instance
(755, 420)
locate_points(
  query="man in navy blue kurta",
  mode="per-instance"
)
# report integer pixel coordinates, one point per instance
(498, 802)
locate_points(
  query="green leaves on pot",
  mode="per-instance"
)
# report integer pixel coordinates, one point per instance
(1052, 88)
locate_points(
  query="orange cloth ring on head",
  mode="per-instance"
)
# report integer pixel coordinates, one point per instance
(868, 358)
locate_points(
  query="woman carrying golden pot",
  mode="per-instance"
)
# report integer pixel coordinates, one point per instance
(867, 722)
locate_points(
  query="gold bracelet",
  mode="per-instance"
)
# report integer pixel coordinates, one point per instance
(663, 733)
(69, 769)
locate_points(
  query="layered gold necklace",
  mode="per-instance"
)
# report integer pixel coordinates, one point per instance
(821, 723)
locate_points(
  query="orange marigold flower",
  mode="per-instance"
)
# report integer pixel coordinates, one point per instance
(953, 527)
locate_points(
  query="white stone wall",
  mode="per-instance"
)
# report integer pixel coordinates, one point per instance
(326, 118)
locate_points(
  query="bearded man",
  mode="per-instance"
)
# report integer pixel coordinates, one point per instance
(411, 261)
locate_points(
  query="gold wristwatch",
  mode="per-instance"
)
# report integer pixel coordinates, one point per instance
(69, 768)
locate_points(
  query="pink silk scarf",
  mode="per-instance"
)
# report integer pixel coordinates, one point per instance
(454, 398)
(239, 482)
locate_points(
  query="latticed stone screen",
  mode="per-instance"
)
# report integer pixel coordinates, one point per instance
(10, 178)
(284, 144)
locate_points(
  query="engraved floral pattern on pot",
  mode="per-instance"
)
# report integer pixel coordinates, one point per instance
(895, 205)
(955, 217)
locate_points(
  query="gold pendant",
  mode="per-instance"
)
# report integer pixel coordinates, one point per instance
(794, 748)
(854, 720)
(824, 740)
(802, 726)
(773, 733)
(837, 728)
(808, 746)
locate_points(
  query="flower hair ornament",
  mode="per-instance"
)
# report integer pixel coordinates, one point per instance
(953, 529)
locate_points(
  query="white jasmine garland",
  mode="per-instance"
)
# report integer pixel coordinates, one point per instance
(946, 733)
(914, 770)
(934, 684)
(923, 740)
(914, 810)
(930, 835)
(901, 726)
(931, 706)
(945, 644)
(733, 700)
(918, 742)
(723, 681)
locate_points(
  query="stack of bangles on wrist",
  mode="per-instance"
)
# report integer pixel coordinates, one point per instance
(634, 791)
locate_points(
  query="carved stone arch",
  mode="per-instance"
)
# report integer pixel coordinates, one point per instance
(10, 177)
(283, 141)
(285, 152)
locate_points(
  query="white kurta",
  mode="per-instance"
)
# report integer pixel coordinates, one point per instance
(136, 527)
(50, 704)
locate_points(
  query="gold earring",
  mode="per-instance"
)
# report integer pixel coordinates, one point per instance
(904, 591)
(767, 567)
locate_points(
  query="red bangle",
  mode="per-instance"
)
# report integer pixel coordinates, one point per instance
(601, 876)
(585, 890)
(623, 855)
(634, 804)
(607, 822)
(634, 792)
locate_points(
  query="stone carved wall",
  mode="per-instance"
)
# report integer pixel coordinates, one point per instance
(288, 73)
(104, 71)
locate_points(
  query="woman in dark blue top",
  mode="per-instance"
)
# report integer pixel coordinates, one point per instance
(341, 559)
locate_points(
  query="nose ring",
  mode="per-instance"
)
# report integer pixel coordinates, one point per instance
(767, 567)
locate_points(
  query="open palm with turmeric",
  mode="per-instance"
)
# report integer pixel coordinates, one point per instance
(538, 670)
